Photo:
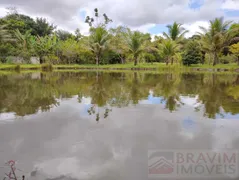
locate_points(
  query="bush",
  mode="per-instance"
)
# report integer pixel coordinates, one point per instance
(51, 59)
(9, 60)
(192, 54)
(228, 59)
(149, 58)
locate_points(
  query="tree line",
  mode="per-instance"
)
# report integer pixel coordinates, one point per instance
(23, 36)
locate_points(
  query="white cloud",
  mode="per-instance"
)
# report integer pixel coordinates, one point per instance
(231, 5)
(193, 28)
(144, 28)
(137, 14)
(154, 35)
(7, 116)
(190, 101)
(3, 11)
(86, 100)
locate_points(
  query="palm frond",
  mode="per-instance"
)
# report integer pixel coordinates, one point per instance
(5, 35)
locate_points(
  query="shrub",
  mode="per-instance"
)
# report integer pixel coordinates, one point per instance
(9, 60)
(149, 57)
(192, 54)
(51, 59)
(228, 59)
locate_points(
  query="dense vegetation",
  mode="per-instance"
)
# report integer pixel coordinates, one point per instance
(25, 37)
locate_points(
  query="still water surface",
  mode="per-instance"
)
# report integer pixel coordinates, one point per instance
(94, 125)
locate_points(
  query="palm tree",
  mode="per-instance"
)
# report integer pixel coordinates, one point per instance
(217, 26)
(4, 34)
(214, 39)
(175, 32)
(168, 50)
(134, 44)
(98, 41)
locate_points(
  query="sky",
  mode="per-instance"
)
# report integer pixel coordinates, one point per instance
(150, 16)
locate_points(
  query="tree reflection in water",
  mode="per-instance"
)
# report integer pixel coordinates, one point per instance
(26, 94)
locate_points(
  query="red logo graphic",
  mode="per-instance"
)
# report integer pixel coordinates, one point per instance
(161, 166)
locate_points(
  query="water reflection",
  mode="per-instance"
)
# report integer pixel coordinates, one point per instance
(215, 95)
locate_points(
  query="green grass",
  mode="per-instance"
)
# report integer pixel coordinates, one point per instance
(22, 66)
(128, 66)
(218, 66)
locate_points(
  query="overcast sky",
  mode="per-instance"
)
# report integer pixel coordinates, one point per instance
(145, 15)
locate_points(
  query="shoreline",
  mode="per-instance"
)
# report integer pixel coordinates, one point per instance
(121, 67)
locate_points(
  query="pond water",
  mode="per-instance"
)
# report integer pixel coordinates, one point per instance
(98, 125)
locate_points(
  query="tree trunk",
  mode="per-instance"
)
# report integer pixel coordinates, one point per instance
(97, 60)
(122, 60)
(98, 57)
(135, 62)
(41, 59)
(172, 61)
(167, 61)
(215, 59)
(203, 57)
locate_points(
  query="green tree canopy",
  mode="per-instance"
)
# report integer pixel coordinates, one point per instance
(216, 37)
(192, 54)
(235, 50)
(168, 49)
(43, 28)
(175, 32)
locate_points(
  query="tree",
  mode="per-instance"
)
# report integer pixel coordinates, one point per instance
(78, 34)
(85, 54)
(175, 32)
(24, 44)
(63, 35)
(135, 44)
(43, 28)
(69, 50)
(6, 43)
(99, 36)
(235, 26)
(117, 42)
(168, 49)
(18, 21)
(44, 46)
(24, 40)
(192, 54)
(25, 23)
(96, 22)
(98, 41)
(235, 50)
(216, 37)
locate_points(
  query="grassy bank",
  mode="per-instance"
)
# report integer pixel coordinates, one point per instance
(128, 66)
